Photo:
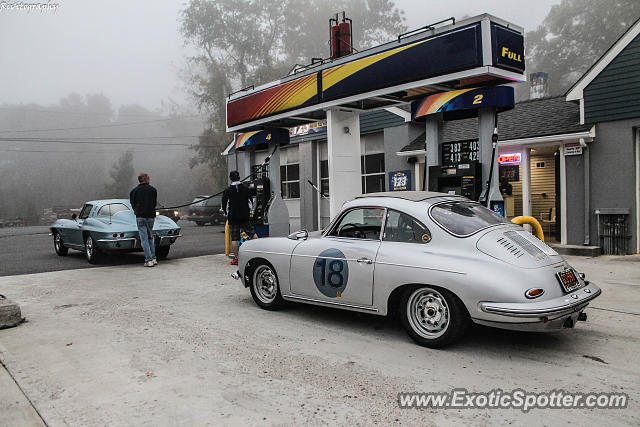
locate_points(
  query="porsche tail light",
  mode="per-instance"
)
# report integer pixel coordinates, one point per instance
(534, 293)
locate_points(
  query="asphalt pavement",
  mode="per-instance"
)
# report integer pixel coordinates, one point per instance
(184, 344)
(26, 250)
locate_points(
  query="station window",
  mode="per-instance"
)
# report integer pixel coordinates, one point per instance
(324, 177)
(290, 173)
(372, 163)
(323, 156)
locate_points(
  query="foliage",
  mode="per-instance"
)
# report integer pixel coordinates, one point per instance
(574, 35)
(122, 174)
(243, 42)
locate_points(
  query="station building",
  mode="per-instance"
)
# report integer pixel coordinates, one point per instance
(572, 162)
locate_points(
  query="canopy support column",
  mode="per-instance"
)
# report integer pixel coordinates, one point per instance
(343, 143)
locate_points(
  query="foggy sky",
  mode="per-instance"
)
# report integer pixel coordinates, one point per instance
(132, 51)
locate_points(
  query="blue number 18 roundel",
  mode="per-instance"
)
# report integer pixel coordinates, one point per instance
(331, 272)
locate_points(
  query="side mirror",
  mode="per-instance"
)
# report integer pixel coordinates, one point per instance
(302, 234)
(74, 216)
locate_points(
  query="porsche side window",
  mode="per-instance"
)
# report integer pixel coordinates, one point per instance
(85, 211)
(403, 228)
(362, 223)
(464, 218)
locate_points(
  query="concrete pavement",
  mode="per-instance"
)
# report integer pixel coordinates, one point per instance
(184, 344)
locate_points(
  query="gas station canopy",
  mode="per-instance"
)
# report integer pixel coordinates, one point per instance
(476, 52)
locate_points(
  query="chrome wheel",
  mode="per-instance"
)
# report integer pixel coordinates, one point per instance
(89, 248)
(57, 242)
(428, 313)
(265, 284)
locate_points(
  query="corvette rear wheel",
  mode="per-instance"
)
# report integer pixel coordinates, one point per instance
(58, 244)
(162, 252)
(91, 250)
(265, 289)
(433, 317)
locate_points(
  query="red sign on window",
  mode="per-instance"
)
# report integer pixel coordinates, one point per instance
(506, 159)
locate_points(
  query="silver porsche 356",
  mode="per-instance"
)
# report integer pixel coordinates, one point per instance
(438, 261)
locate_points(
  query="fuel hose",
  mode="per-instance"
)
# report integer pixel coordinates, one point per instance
(220, 192)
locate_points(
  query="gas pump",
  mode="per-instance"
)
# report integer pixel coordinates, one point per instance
(261, 185)
(460, 172)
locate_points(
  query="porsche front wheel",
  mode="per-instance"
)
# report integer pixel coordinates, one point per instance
(433, 317)
(265, 289)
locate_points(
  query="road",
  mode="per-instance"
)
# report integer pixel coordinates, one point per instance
(26, 250)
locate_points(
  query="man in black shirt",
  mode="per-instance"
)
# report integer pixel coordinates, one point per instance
(236, 202)
(143, 201)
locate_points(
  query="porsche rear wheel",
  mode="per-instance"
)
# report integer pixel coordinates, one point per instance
(58, 244)
(91, 250)
(433, 317)
(265, 289)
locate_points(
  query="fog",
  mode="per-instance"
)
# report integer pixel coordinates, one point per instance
(73, 74)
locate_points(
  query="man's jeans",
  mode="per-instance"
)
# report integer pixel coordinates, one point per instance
(145, 227)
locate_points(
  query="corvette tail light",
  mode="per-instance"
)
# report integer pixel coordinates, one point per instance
(121, 234)
(115, 234)
(534, 293)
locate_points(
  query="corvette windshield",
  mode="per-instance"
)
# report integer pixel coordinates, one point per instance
(464, 218)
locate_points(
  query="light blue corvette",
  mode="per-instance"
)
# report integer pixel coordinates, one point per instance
(109, 226)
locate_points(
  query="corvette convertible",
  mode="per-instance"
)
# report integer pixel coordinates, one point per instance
(438, 261)
(109, 226)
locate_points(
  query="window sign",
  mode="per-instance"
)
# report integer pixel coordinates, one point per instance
(573, 149)
(510, 158)
(400, 180)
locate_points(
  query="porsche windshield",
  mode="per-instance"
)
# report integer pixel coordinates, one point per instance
(464, 218)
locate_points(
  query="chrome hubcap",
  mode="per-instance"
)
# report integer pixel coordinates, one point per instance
(56, 241)
(89, 246)
(265, 284)
(428, 313)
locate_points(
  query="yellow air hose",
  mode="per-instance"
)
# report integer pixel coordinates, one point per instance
(227, 239)
(537, 228)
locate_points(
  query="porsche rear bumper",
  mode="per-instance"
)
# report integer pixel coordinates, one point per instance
(546, 315)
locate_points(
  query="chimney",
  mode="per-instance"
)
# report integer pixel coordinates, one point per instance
(539, 85)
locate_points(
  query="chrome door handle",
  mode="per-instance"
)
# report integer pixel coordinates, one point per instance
(364, 261)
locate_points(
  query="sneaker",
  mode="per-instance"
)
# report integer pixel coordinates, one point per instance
(149, 264)
(234, 262)
(154, 261)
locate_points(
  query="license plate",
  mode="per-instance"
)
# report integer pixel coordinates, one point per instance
(568, 280)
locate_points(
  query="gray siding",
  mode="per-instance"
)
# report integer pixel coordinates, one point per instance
(615, 93)
(613, 172)
(378, 120)
(575, 199)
